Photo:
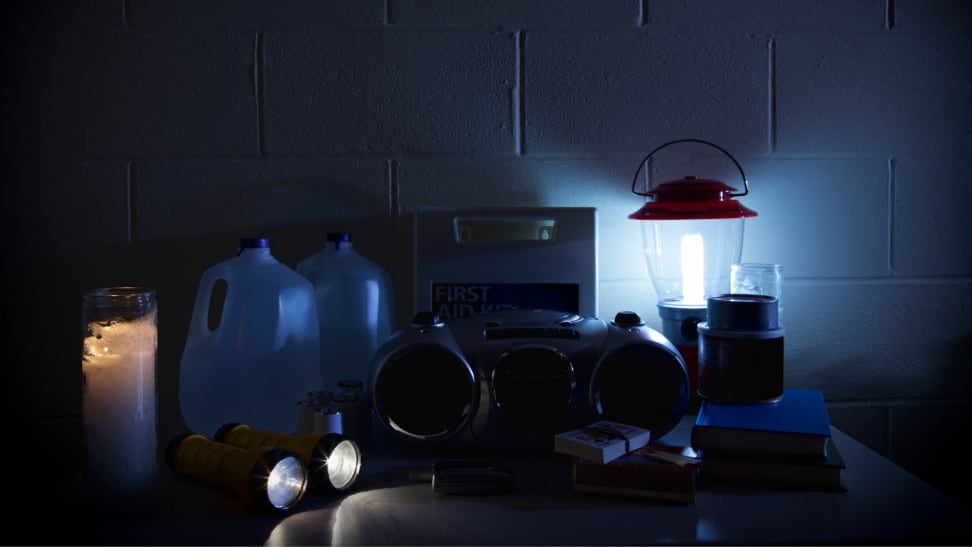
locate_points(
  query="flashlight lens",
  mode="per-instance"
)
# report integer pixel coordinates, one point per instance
(286, 484)
(343, 464)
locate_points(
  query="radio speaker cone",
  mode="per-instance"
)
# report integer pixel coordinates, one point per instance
(643, 386)
(425, 393)
(534, 385)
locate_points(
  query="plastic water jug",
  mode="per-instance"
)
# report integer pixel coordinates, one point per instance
(253, 361)
(354, 307)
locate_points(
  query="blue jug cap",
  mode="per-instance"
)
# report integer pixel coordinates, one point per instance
(254, 243)
(338, 237)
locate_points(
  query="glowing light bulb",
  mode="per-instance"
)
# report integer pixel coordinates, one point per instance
(344, 464)
(286, 479)
(693, 269)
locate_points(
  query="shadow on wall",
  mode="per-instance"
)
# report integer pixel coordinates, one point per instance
(958, 346)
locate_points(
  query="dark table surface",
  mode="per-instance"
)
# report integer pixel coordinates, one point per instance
(884, 504)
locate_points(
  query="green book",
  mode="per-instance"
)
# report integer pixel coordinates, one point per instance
(822, 474)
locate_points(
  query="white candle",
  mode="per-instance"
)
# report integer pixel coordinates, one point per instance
(119, 410)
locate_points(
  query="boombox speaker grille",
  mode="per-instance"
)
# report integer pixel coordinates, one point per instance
(641, 385)
(534, 385)
(425, 393)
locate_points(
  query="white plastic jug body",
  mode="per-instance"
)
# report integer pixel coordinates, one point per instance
(262, 356)
(354, 307)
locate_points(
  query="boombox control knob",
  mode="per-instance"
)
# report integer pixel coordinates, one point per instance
(426, 319)
(628, 319)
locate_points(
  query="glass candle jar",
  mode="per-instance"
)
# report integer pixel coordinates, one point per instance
(118, 362)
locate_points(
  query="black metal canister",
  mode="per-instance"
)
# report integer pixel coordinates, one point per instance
(741, 349)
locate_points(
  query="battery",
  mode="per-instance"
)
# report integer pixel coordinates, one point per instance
(355, 416)
(328, 420)
(305, 416)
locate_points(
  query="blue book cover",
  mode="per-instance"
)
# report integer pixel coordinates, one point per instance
(797, 425)
(799, 411)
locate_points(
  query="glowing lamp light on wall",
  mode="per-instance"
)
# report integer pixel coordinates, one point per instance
(692, 231)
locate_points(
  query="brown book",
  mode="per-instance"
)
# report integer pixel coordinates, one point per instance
(656, 472)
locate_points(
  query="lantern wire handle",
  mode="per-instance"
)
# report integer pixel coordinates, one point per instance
(634, 182)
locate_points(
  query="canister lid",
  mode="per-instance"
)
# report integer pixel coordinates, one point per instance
(750, 312)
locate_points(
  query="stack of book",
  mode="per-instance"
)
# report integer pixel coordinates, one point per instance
(787, 443)
(615, 459)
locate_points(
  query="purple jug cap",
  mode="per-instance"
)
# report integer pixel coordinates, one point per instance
(254, 243)
(338, 237)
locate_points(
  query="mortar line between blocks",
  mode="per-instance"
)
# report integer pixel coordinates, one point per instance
(771, 94)
(258, 89)
(132, 219)
(892, 166)
(518, 92)
(124, 14)
(394, 205)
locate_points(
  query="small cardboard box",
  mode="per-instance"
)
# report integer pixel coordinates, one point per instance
(602, 441)
(663, 473)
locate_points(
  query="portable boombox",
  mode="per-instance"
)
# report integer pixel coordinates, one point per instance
(513, 378)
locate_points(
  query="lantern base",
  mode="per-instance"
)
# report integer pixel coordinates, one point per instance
(680, 326)
(680, 321)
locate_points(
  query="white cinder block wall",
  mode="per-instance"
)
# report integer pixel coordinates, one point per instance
(141, 139)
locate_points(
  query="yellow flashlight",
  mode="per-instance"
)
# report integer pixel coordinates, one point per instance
(267, 477)
(333, 460)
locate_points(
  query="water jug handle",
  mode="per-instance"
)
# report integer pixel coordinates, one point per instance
(200, 313)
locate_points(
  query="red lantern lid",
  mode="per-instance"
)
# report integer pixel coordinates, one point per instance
(692, 198)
